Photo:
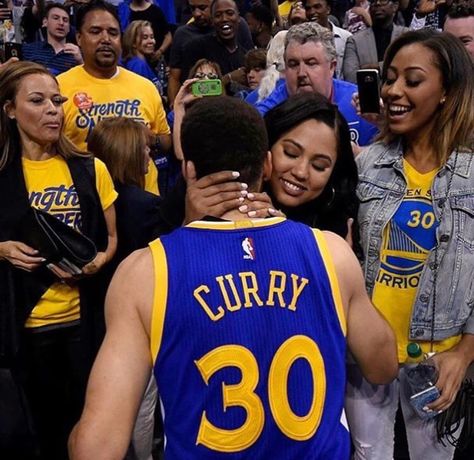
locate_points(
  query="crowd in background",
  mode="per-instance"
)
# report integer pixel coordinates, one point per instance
(90, 127)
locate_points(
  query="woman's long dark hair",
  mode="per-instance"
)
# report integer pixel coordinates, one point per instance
(338, 201)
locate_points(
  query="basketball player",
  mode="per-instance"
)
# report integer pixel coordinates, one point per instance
(244, 322)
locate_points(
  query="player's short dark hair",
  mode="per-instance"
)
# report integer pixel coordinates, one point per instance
(224, 133)
(49, 6)
(461, 9)
(262, 14)
(95, 5)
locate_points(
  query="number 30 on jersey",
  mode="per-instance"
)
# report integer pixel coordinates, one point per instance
(242, 394)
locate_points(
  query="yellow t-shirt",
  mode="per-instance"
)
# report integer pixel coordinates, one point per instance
(407, 241)
(50, 188)
(126, 94)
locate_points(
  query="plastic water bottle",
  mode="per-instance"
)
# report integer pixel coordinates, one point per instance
(422, 375)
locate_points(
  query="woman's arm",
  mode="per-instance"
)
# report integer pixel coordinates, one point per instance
(452, 366)
(183, 98)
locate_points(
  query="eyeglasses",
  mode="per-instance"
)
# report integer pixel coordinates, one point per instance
(379, 2)
(206, 76)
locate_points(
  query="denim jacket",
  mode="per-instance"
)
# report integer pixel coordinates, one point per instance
(381, 189)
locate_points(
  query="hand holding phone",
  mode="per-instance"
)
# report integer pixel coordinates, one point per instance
(368, 84)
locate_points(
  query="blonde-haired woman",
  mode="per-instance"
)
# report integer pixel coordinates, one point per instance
(138, 47)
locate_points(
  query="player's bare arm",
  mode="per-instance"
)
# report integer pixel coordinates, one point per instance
(122, 367)
(369, 337)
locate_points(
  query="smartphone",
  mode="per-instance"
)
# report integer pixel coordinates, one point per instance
(12, 50)
(422, 399)
(368, 84)
(207, 88)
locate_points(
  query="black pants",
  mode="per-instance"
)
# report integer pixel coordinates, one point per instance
(55, 383)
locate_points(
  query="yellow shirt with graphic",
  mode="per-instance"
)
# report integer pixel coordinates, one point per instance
(50, 188)
(126, 94)
(407, 241)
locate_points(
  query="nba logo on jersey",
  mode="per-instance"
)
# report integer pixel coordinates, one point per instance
(247, 246)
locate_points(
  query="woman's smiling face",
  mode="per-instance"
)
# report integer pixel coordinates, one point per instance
(303, 160)
(412, 91)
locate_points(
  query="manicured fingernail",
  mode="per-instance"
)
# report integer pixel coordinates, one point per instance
(252, 213)
(243, 208)
(43, 259)
(244, 185)
(250, 196)
(235, 174)
(244, 192)
(272, 211)
(241, 199)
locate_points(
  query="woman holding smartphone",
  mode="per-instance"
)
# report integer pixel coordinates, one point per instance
(417, 226)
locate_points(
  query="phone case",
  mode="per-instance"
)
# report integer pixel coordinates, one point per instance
(368, 84)
(13, 50)
(207, 88)
(422, 399)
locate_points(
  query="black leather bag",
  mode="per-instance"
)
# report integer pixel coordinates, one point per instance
(57, 242)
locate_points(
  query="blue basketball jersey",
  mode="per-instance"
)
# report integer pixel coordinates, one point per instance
(248, 335)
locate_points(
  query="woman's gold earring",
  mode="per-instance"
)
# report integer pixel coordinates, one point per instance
(443, 100)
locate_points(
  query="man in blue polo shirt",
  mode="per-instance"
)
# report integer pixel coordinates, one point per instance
(310, 62)
(54, 53)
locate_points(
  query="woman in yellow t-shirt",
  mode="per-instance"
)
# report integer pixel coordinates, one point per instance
(58, 316)
(417, 227)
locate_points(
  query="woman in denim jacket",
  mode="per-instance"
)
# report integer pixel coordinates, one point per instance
(416, 220)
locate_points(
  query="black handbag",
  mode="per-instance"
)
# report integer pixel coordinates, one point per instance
(56, 241)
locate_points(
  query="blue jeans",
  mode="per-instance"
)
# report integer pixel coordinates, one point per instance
(371, 411)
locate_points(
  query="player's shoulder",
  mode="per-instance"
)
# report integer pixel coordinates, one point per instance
(338, 248)
(135, 267)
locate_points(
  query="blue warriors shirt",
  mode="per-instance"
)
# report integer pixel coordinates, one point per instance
(248, 335)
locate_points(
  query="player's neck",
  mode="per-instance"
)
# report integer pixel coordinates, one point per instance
(236, 215)
(239, 213)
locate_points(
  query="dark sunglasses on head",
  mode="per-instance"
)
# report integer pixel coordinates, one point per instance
(206, 76)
